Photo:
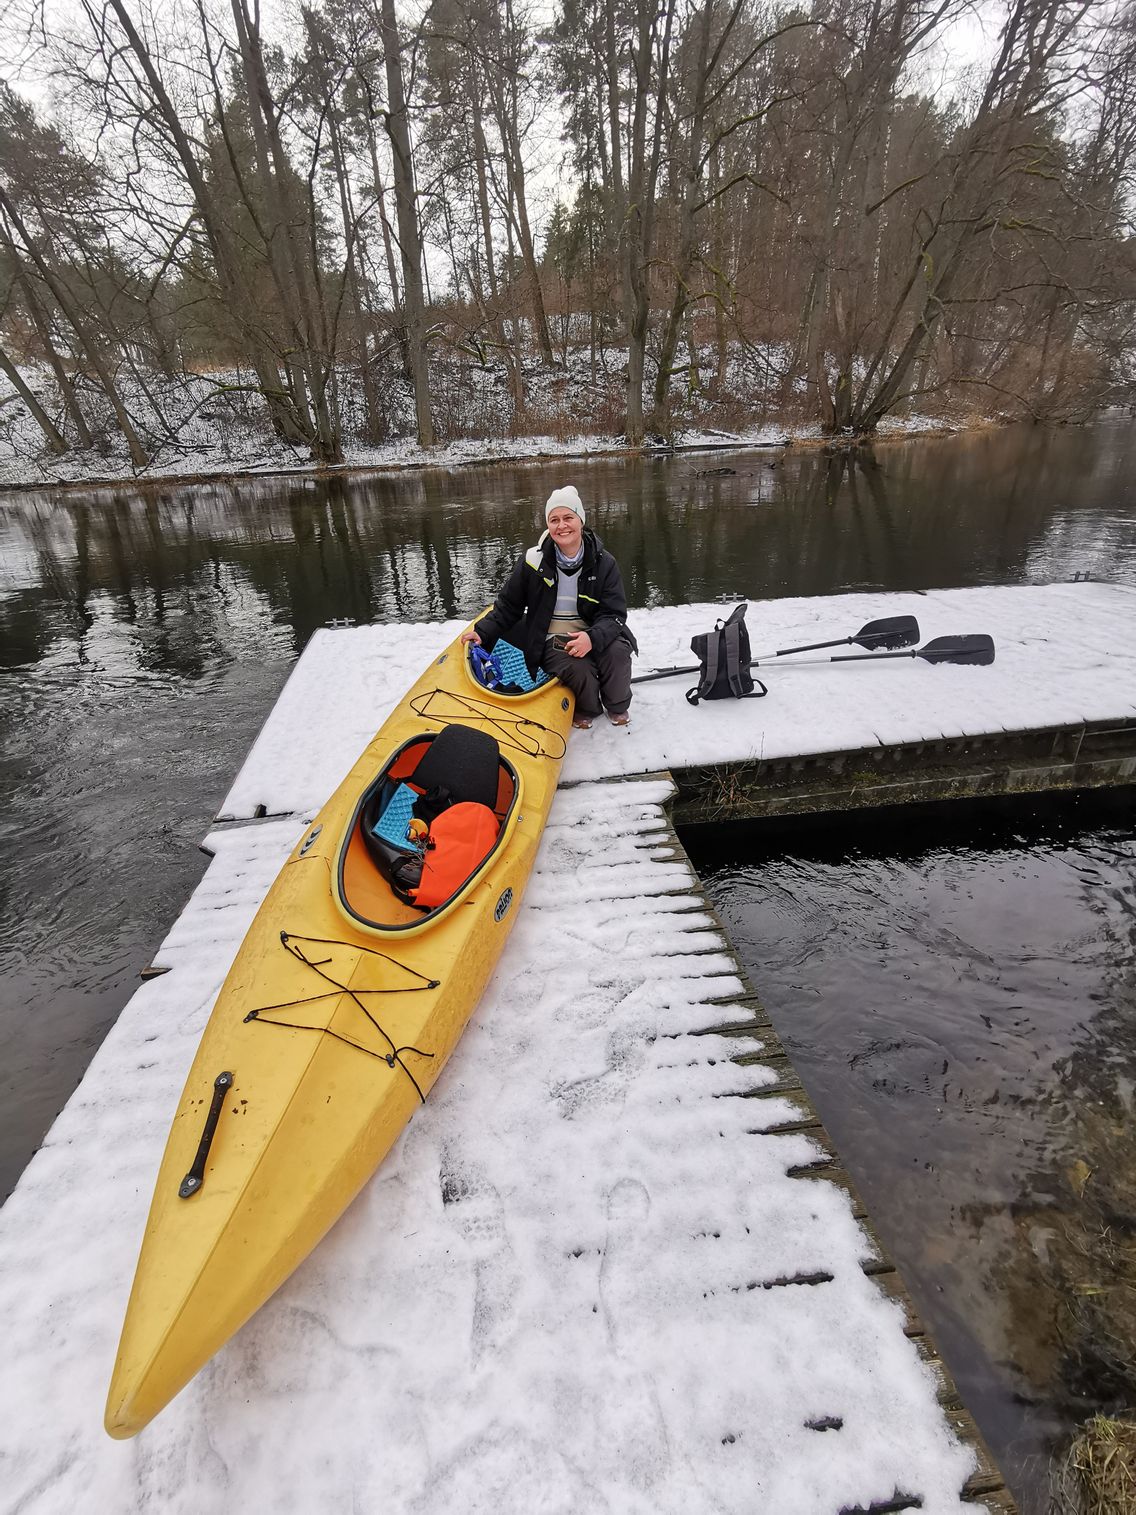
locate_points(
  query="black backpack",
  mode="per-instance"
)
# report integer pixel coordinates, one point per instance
(724, 657)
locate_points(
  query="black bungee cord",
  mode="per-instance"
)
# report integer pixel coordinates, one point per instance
(482, 710)
(392, 1058)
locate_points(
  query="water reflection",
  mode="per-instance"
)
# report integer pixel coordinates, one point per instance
(194, 565)
(959, 994)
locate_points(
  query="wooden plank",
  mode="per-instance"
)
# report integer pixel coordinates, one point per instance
(997, 1501)
(745, 1015)
(893, 1286)
(834, 1174)
(804, 1118)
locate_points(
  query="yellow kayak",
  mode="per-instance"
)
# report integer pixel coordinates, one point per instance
(357, 976)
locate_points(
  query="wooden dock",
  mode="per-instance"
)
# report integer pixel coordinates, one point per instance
(744, 1016)
(615, 1262)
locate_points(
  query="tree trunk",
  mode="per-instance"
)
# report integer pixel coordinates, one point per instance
(62, 297)
(43, 329)
(692, 190)
(497, 326)
(292, 271)
(236, 296)
(528, 252)
(504, 67)
(372, 423)
(642, 181)
(54, 438)
(406, 207)
(397, 308)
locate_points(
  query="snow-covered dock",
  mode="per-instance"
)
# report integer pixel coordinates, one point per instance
(587, 1279)
(1066, 658)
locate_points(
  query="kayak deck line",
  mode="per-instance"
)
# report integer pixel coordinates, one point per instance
(263, 1015)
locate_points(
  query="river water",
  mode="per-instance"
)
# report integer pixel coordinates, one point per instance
(957, 988)
(145, 634)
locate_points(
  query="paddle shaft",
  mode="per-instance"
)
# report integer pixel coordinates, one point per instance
(671, 673)
(883, 631)
(783, 652)
(930, 654)
(855, 657)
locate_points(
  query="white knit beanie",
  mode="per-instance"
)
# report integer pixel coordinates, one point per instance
(564, 499)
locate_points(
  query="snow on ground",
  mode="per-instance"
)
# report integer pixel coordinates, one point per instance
(569, 1289)
(1066, 653)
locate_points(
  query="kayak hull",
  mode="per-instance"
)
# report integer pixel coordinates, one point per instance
(333, 1031)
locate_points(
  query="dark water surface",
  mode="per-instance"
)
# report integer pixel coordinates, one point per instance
(957, 988)
(144, 636)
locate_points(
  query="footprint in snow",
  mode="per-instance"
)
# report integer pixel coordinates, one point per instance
(475, 1209)
(628, 1206)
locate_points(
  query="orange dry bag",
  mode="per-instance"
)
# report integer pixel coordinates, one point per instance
(460, 840)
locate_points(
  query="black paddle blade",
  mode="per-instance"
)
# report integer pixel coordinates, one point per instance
(975, 648)
(892, 631)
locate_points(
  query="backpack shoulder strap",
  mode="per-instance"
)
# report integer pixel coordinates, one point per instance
(713, 647)
(732, 649)
(706, 648)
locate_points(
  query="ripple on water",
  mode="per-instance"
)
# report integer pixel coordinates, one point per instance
(959, 995)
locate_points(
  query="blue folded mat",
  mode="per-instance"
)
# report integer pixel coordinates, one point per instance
(397, 815)
(510, 664)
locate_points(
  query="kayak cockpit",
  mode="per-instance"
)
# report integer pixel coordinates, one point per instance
(504, 672)
(425, 828)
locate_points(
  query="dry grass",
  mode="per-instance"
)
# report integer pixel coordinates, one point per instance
(1098, 1473)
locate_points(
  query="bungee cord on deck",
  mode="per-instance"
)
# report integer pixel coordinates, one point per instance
(482, 711)
(263, 1015)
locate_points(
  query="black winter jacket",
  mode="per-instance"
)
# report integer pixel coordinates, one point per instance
(522, 612)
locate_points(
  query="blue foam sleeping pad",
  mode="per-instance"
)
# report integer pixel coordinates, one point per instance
(511, 665)
(397, 815)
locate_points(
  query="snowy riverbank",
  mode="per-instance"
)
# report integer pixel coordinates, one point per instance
(201, 429)
(84, 472)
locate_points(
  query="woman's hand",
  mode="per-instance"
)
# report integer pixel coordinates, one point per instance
(578, 645)
(471, 636)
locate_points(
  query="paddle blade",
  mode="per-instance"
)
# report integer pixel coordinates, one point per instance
(892, 631)
(976, 648)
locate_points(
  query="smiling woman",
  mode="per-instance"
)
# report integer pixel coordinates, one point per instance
(565, 607)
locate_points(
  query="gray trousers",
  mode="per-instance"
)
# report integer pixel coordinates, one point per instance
(600, 681)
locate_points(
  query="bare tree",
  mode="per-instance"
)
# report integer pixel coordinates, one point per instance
(406, 206)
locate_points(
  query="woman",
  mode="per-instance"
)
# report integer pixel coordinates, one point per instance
(565, 608)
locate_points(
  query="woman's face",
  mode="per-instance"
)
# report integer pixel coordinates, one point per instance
(567, 530)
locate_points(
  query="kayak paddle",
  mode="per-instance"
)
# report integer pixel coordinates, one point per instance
(891, 631)
(976, 647)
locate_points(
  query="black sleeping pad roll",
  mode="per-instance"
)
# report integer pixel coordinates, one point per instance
(462, 763)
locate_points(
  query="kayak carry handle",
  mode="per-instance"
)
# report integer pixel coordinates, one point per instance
(196, 1175)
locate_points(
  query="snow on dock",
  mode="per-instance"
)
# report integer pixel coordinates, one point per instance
(586, 1279)
(583, 1281)
(1066, 654)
